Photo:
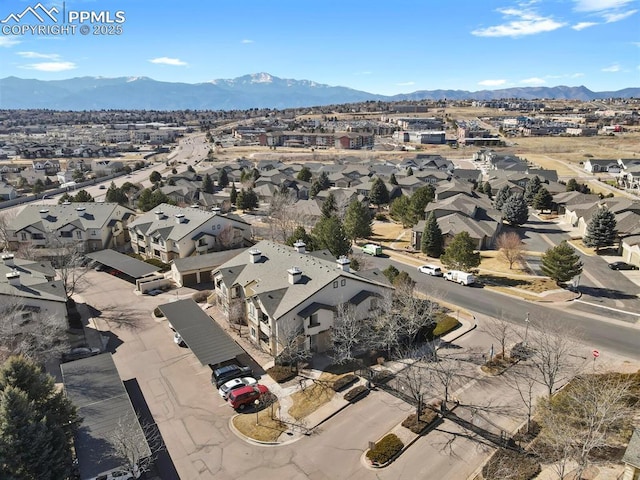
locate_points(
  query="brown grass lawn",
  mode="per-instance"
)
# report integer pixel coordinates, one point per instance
(267, 429)
(386, 233)
(313, 397)
(492, 261)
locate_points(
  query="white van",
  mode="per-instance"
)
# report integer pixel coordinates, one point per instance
(463, 278)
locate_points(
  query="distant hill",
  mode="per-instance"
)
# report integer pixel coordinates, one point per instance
(258, 90)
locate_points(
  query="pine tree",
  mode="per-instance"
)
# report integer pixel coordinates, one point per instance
(419, 201)
(329, 206)
(460, 254)
(432, 241)
(207, 184)
(240, 200)
(543, 200)
(400, 211)
(486, 189)
(357, 221)
(601, 229)
(329, 233)
(515, 210)
(379, 194)
(233, 196)
(301, 234)
(304, 175)
(155, 177)
(251, 199)
(392, 180)
(572, 185)
(531, 190)
(561, 263)
(501, 197)
(315, 188)
(323, 180)
(223, 179)
(409, 171)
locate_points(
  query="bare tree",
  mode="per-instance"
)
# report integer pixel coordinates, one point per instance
(347, 334)
(386, 329)
(414, 380)
(71, 265)
(6, 219)
(589, 415)
(523, 380)
(136, 444)
(34, 334)
(415, 313)
(227, 238)
(283, 218)
(552, 350)
(500, 331)
(290, 340)
(444, 371)
(510, 248)
(237, 315)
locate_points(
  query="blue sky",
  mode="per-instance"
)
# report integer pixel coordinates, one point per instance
(381, 47)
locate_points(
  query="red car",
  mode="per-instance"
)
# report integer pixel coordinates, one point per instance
(241, 397)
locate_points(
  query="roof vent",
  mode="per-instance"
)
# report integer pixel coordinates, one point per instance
(343, 263)
(13, 278)
(180, 218)
(216, 210)
(7, 259)
(294, 275)
(255, 255)
(300, 246)
(44, 213)
(159, 214)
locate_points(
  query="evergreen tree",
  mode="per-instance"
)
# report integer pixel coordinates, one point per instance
(37, 423)
(543, 200)
(233, 196)
(419, 201)
(515, 210)
(379, 194)
(223, 179)
(255, 174)
(251, 200)
(501, 197)
(561, 263)
(240, 201)
(486, 189)
(207, 184)
(409, 171)
(532, 189)
(155, 177)
(38, 187)
(323, 180)
(329, 233)
(116, 195)
(148, 200)
(301, 234)
(65, 198)
(400, 211)
(391, 273)
(329, 206)
(460, 254)
(432, 241)
(304, 175)
(601, 229)
(315, 188)
(82, 196)
(392, 179)
(572, 185)
(191, 169)
(357, 221)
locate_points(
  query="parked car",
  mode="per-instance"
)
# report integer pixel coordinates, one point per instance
(622, 266)
(241, 397)
(79, 352)
(102, 187)
(231, 385)
(154, 292)
(432, 270)
(372, 249)
(223, 374)
(177, 339)
(463, 278)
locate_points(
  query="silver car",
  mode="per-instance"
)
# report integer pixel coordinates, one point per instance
(227, 387)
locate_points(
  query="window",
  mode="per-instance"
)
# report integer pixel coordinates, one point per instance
(313, 321)
(343, 282)
(253, 332)
(335, 284)
(23, 236)
(93, 233)
(78, 233)
(65, 234)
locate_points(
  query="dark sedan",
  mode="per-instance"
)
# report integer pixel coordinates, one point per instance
(622, 266)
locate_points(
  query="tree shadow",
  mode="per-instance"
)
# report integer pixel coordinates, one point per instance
(605, 293)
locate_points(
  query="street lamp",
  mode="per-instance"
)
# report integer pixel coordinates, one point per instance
(526, 330)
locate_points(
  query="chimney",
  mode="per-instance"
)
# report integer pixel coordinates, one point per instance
(159, 214)
(7, 259)
(295, 275)
(44, 213)
(13, 278)
(216, 210)
(343, 263)
(81, 211)
(299, 246)
(255, 255)
(180, 218)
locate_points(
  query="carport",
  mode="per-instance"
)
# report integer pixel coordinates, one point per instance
(132, 268)
(206, 339)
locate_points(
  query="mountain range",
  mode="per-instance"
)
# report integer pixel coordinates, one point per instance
(258, 90)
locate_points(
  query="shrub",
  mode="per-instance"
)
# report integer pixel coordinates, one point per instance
(164, 267)
(280, 373)
(158, 313)
(356, 393)
(417, 425)
(520, 466)
(445, 325)
(344, 382)
(385, 449)
(381, 217)
(201, 297)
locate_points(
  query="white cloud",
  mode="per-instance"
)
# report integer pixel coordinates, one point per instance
(583, 25)
(246, 41)
(7, 41)
(533, 81)
(525, 22)
(48, 56)
(405, 84)
(176, 62)
(50, 66)
(612, 68)
(616, 17)
(492, 83)
(599, 5)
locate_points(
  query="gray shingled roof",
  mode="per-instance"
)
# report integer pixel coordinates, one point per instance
(34, 281)
(94, 215)
(131, 266)
(632, 454)
(206, 339)
(208, 260)
(95, 388)
(270, 274)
